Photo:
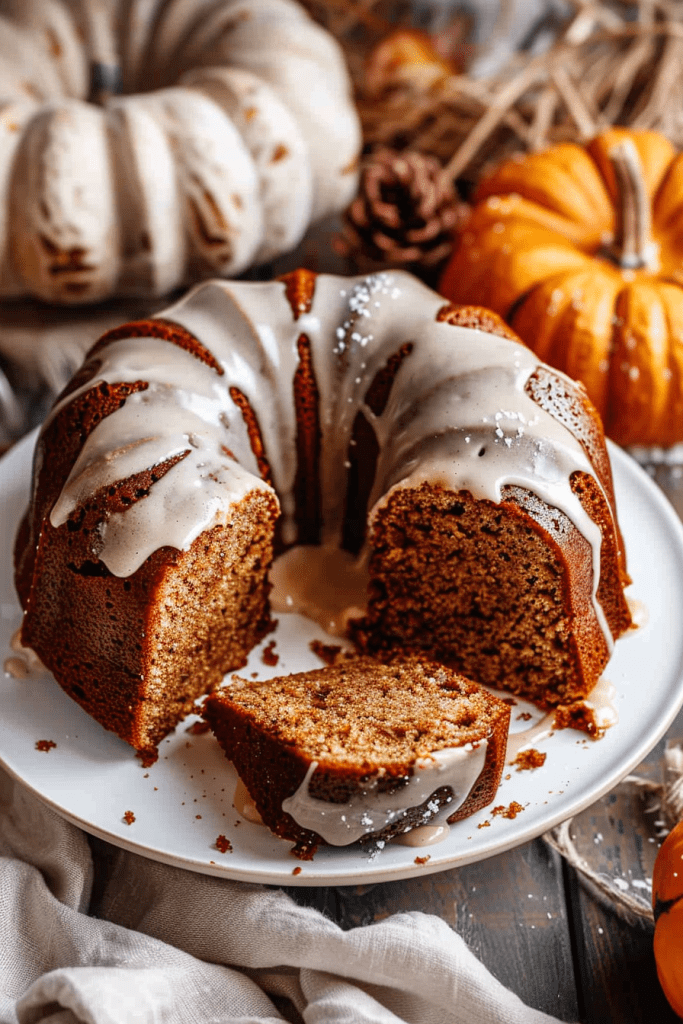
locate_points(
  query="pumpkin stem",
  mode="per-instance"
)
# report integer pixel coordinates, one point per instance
(632, 247)
(105, 69)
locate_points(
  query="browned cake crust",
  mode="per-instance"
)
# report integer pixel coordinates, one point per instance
(358, 720)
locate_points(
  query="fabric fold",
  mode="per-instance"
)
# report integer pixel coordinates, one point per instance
(92, 934)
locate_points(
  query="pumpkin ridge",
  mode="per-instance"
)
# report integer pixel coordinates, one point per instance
(660, 906)
(537, 178)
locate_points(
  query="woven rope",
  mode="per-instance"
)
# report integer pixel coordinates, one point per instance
(666, 800)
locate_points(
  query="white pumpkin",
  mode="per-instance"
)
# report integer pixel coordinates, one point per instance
(146, 144)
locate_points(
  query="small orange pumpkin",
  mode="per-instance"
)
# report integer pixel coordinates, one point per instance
(667, 902)
(409, 57)
(580, 249)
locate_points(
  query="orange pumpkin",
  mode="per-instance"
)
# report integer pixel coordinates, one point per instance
(409, 57)
(580, 249)
(667, 902)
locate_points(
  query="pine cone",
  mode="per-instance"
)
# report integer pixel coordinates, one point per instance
(404, 215)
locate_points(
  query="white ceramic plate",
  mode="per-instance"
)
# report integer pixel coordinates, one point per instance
(184, 802)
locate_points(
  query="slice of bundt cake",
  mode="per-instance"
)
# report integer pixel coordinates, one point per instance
(361, 750)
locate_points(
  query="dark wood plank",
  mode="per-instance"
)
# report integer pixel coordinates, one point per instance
(617, 975)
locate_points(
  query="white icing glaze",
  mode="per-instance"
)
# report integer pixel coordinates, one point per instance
(524, 738)
(640, 614)
(16, 667)
(244, 805)
(370, 810)
(457, 415)
(424, 835)
(25, 662)
(600, 702)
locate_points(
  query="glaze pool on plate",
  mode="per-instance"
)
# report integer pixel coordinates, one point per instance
(184, 802)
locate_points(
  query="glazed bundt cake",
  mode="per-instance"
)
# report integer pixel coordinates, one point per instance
(250, 417)
(360, 750)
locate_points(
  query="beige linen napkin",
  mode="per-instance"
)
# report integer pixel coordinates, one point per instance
(93, 934)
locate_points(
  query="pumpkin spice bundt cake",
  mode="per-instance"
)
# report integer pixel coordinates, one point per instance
(360, 750)
(356, 413)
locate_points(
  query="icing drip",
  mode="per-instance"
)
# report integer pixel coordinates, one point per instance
(17, 668)
(639, 613)
(244, 805)
(424, 835)
(524, 738)
(370, 811)
(457, 414)
(326, 584)
(25, 662)
(600, 703)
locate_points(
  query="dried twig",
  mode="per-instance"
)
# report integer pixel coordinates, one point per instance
(611, 62)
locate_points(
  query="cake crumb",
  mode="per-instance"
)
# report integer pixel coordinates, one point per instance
(129, 817)
(305, 849)
(297, 870)
(511, 811)
(328, 653)
(422, 860)
(45, 745)
(485, 824)
(509, 700)
(527, 760)
(223, 844)
(269, 657)
(578, 715)
(147, 757)
(524, 716)
(198, 728)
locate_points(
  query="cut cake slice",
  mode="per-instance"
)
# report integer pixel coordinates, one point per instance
(361, 750)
